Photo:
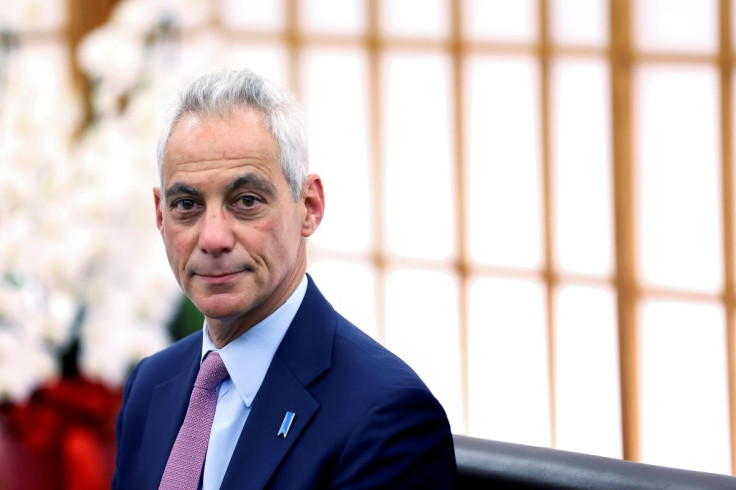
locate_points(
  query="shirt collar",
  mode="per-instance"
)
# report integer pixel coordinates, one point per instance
(248, 357)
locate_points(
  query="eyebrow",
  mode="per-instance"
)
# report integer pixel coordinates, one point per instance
(248, 180)
(178, 188)
(252, 180)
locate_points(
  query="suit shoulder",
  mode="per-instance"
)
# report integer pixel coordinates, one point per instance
(356, 351)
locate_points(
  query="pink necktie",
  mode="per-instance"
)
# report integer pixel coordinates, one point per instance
(184, 468)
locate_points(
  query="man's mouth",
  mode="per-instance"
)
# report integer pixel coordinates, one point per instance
(219, 277)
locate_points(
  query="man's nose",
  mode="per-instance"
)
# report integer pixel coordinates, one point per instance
(216, 234)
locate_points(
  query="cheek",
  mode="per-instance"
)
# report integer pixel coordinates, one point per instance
(260, 240)
(272, 240)
(287, 233)
(179, 244)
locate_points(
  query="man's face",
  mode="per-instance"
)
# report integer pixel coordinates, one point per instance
(233, 233)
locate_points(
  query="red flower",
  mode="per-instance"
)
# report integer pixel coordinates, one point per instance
(63, 437)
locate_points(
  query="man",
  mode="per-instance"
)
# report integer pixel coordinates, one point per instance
(307, 400)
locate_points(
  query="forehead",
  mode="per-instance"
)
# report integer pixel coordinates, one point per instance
(215, 144)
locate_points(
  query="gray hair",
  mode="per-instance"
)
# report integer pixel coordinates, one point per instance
(219, 93)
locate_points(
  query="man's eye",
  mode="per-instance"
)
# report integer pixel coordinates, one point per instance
(184, 204)
(248, 201)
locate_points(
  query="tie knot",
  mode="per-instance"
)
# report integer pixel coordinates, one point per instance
(211, 372)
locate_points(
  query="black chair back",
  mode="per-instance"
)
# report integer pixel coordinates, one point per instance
(489, 464)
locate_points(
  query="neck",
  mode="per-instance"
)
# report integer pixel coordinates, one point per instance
(223, 331)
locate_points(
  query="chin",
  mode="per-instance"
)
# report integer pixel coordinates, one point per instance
(220, 308)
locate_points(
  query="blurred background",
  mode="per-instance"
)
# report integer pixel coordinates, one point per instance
(530, 201)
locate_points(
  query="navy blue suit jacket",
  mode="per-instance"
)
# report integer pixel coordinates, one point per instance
(363, 419)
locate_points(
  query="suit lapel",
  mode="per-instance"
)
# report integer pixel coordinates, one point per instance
(304, 354)
(166, 414)
(260, 449)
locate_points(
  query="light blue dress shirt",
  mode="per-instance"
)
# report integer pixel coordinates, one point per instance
(247, 359)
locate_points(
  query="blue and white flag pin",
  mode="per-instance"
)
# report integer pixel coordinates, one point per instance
(286, 424)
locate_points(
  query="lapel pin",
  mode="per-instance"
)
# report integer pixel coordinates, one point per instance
(286, 424)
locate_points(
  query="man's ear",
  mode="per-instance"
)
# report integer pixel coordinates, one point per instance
(159, 214)
(313, 197)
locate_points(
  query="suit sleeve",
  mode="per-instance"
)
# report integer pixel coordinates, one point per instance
(403, 441)
(121, 454)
